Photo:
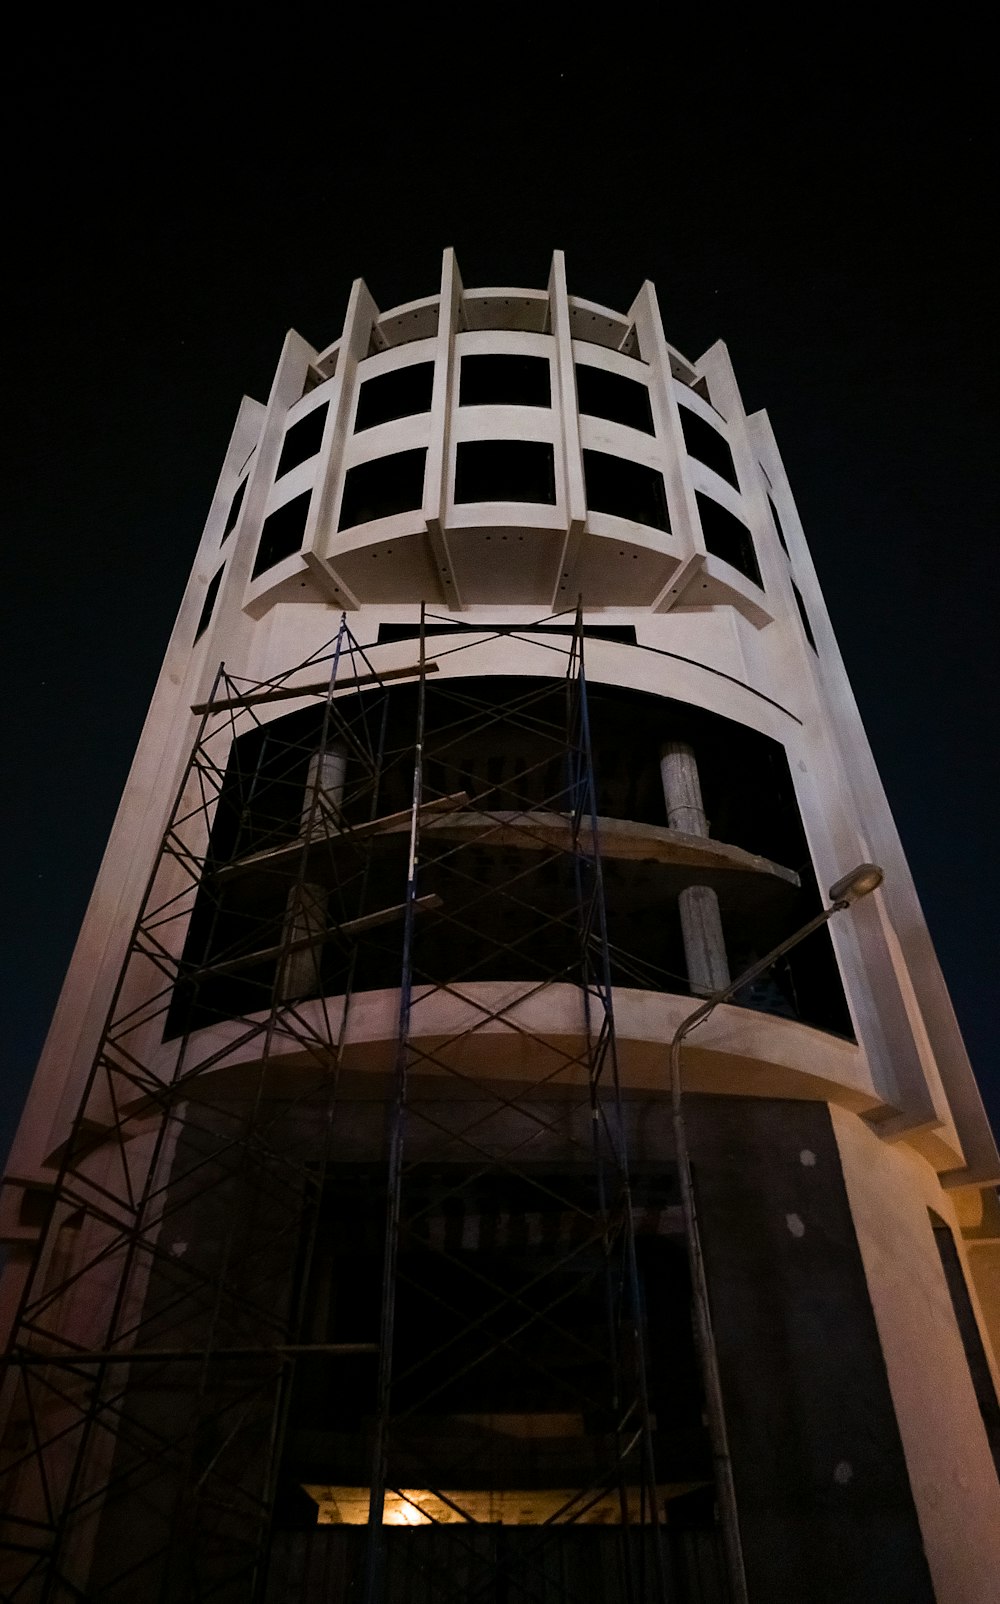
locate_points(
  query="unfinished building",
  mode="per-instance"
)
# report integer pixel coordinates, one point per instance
(381, 1225)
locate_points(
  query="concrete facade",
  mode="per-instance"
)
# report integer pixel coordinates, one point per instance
(599, 442)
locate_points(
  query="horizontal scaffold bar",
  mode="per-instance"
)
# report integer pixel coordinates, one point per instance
(289, 852)
(345, 1350)
(285, 693)
(350, 927)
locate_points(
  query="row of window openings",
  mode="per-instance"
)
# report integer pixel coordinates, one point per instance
(499, 379)
(511, 470)
(507, 470)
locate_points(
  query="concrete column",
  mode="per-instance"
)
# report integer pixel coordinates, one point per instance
(327, 772)
(567, 414)
(306, 915)
(701, 922)
(439, 439)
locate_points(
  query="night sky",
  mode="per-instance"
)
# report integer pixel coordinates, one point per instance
(175, 202)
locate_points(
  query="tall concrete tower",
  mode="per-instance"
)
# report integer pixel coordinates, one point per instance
(475, 1156)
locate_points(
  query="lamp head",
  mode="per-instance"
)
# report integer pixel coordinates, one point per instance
(865, 878)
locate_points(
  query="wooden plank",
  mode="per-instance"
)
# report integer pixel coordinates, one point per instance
(286, 693)
(626, 839)
(290, 851)
(350, 927)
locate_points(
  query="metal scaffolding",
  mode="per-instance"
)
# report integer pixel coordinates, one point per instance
(191, 1380)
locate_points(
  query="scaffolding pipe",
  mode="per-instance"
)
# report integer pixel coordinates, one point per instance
(707, 1351)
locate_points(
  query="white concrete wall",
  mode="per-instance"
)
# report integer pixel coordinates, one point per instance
(707, 635)
(952, 1475)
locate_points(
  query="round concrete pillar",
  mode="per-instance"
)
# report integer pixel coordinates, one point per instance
(701, 921)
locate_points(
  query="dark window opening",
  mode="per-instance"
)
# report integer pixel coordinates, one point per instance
(777, 525)
(208, 606)
(400, 394)
(728, 537)
(505, 470)
(708, 446)
(497, 1314)
(972, 1342)
(509, 934)
(623, 634)
(282, 533)
(800, 604)
(505, 379)
(613, 396)
(302, 440)
(502, 1384)
(625, 489)
(382, 487)
(235, 506)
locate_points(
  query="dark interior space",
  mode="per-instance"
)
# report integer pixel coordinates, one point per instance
(509, 904)
(504, 1367)
(728, 537)
(302, 440)
(235, 507)
(505, 470)
(380, 488)
(504, 379)
(386, 396)
(968, 1330)
(708, 445)
(614, 396)
(282, 533)
(208, 605)
(626, 489)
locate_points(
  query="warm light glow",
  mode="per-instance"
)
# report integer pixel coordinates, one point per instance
(518, 1506)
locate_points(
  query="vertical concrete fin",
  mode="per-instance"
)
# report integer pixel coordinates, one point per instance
(439, 441)
(685, 525)
(319, 545)
(567, 420)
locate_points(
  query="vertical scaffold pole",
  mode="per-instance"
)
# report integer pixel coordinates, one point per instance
(607, 1054)
(375, 1548)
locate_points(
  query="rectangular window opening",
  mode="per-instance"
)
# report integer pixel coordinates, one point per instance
(777, 525)
(622, 634)
(505, 470)
(282, 533)
(403, 393)
(383, 487)
(208, 606)
(235, 508)
(505, 379)
(625, 489)
(613, 396)
(728, 537)
(707, 445)
(302, 440)
(800, 604)
(968, 1328)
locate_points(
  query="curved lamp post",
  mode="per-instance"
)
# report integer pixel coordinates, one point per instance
(862, 880)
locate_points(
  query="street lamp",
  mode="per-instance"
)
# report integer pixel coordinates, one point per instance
(849, 889)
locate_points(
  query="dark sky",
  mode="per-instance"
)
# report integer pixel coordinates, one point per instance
(176, 201)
